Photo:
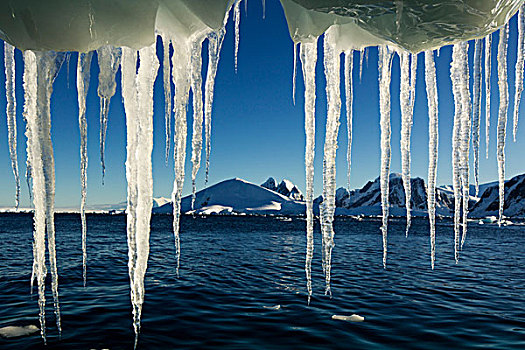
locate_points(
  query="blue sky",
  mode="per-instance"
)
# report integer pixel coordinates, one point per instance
(257, 131)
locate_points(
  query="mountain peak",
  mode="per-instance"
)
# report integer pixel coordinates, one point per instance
(285, 187)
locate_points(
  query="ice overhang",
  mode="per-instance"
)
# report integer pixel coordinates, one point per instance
(84, 25)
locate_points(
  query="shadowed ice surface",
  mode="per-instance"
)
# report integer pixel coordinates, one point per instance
(235, 270)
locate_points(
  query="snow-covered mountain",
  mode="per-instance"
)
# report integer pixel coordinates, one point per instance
(514, 205)
(238, 196)
(286, 188)
(367, 200)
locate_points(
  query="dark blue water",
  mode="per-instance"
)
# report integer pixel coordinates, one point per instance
(233, 268)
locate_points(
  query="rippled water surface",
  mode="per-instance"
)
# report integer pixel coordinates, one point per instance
(235, 270)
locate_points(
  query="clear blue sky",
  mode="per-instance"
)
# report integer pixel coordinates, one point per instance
(257, 131)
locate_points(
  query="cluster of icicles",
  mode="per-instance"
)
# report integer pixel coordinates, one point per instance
(184, 69)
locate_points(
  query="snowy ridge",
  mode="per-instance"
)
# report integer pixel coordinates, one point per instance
(514, 203)
(367, 200)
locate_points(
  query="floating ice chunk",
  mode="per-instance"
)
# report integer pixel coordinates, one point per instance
(275, 307)
(351, 318)
(489, 220)
(16, 331)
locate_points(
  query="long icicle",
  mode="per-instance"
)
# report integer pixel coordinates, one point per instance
(361, 58)
(349, 96)
(332, 71)
(408, 75)
(237, 21)
(196, 88)
(466, 122)
(456, 173)
(129, 97)
(214, 49)
(138, 103)
(83, 76)
(33, 147)
(433, 135)
(476, 109)
(385, 59)
(520, 62)
(488, 68)
(294, 71)
(181, 79)
(166, 75)
(39, 75)
(9, 63)
(29, 79)
(502, 115)
(308, 53)
(109, 63)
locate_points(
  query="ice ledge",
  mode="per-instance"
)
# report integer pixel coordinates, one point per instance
(85, 25)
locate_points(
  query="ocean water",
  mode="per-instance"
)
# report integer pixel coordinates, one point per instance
(236, 270)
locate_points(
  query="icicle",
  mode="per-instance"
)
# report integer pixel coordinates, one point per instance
(308, 52)
(349, 95)
(29, 107)
(264, 8)
(488, 67)
(83, 76)
(237, 20)
(181, 79)
(40, 71)
(9, 62)
(385, 59)
(294, 71)
(332, 71)
(456, 179)
(214, 50)
(108, 63)
(137, 93)
(361, 58)
(408, 81)
(433, 134)
(367, 51)
(502, 115)
(476, 109)
(465, 138)
(167, 92)
(33, 146)
(28, 150)
(196, 88)
(461, 139)
(520, 62)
